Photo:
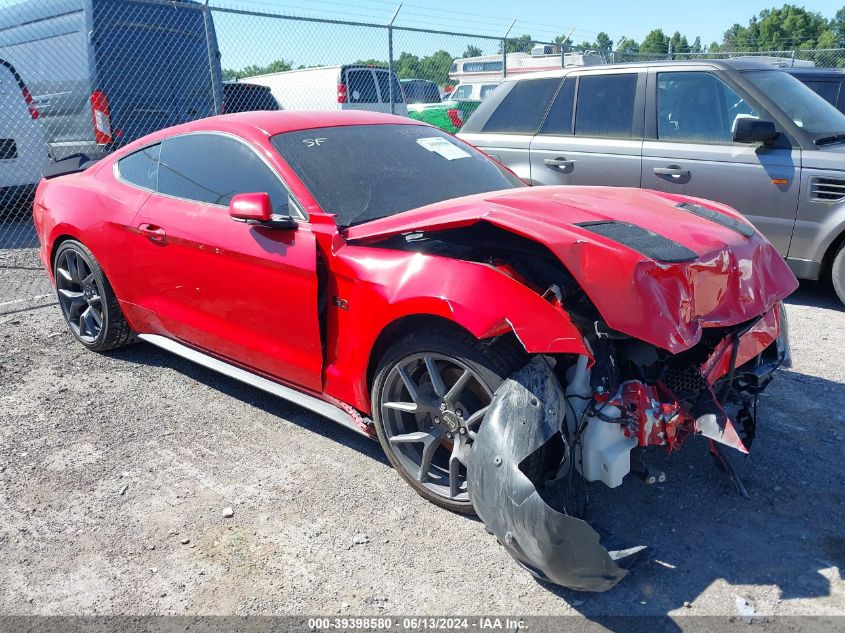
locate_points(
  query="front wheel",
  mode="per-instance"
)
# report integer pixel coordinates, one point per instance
(838, 273)
(430, 394)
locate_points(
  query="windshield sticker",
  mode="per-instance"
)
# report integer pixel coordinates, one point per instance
(443, 147)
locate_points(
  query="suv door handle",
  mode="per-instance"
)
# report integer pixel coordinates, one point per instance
(155, 233)
(672, 170)
(559, 163)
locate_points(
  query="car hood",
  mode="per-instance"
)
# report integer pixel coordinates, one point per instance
(727, 278)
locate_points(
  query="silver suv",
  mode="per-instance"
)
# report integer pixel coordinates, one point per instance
(734, 131)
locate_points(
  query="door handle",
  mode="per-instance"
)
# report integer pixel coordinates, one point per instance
(559, 163)
(155, 233)
(674, 171)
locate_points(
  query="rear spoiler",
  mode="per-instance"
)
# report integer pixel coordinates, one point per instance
(70, 165)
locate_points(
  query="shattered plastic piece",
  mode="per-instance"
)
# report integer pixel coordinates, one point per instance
(525, 415)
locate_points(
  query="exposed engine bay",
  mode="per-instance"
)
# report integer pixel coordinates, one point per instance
(564, 419)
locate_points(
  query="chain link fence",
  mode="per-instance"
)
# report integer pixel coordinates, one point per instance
(88, 76)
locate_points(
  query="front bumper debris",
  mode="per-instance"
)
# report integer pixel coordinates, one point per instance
(516, 454)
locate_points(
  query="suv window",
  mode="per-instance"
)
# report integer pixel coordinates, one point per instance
(362, 86)
(462, 92)
(828, 90)
(697, 106)
(559, 119)
(605, 105)
(212, 168)
(522, 109)
(384, 88)
(141, 167)
(486, 89)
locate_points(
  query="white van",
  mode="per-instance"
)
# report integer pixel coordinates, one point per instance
(23, 150)
(334, 88)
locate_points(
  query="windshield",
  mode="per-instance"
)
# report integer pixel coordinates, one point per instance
(807, 110)
(363, 172)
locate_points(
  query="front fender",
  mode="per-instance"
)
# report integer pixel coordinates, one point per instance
(381, 286)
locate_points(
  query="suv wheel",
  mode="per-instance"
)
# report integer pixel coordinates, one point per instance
(838, 273)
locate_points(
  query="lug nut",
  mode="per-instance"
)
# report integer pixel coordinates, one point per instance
(459, 412)
(443, 406)
(462, 431)
(436, 420)
(449, 436)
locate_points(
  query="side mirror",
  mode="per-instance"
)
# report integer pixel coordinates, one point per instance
(748, 130)
(255, 208)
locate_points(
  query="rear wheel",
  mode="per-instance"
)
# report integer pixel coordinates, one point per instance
(430, 394)
(838, 273)
(88, 302)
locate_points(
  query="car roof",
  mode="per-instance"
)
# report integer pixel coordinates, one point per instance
(815, 72)
(269, 123)
(724, 64)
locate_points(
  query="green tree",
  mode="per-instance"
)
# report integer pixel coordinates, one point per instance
(696, 45)
(679, 44)
(521, 44)
(472, 51)
(278, 66)
(656, 42)
(788, 27)
(627, 45)
(603, 42)
(837, 26)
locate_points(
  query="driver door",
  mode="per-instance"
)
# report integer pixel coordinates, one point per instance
(691, 152)
(243, 292)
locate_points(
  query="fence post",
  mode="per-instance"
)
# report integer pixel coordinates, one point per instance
(216, 90)
(505, 50)
(670, 52)
(390, 59)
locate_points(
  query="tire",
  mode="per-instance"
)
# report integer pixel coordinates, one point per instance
(838, 273)
(406, 435)
(87, 300)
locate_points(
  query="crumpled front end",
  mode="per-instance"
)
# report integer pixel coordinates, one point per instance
(560, 421)
(520, 451)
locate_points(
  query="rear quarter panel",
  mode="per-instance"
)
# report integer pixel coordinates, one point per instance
(97, 210)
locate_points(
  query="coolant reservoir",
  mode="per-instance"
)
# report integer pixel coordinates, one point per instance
(605, 451)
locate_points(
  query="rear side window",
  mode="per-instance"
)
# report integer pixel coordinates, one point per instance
(559, 119)
(605, 106)
(141, 167)
(212, 168)
(361, 86)
(522, 109)
(384, 88)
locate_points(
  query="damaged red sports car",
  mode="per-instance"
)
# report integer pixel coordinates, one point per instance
(501, 341)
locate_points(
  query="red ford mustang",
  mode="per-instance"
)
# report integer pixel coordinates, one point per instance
(389, 276)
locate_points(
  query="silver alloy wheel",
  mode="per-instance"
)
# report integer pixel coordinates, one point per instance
(80, 295)
(431, 407)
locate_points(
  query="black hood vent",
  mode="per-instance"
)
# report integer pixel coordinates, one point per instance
(727, 221)
(652, 245)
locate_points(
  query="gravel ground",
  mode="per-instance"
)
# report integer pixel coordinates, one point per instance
(116, 472)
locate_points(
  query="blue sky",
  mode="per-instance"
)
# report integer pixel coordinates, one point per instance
(251, 40)
(545, 19)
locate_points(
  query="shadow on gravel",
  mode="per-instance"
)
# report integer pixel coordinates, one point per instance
(146, 354)
(816, 294)
(699, 530)
(702, 532)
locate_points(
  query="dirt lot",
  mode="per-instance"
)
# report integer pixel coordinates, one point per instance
(115, 471)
